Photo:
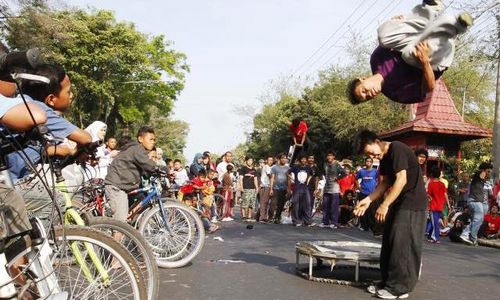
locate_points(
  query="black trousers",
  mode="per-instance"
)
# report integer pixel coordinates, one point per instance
(278, 201)
(368, 221)
(301, 209)
(401, 252)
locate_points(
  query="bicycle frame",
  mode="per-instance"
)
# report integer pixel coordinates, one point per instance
(153, 193)
(72, 217)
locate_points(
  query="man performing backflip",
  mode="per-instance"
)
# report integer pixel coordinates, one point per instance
(413, 52)
(403, 210)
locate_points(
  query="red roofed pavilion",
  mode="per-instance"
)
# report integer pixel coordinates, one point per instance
(437, 126)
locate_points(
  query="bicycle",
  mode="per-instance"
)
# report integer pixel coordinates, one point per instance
(90, 254)
(129, 237)
(43, 251)
(174, 231)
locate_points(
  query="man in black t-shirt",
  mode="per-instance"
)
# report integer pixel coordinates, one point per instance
(299, 177)
(403, 210)
(313, 182)
(248, 185)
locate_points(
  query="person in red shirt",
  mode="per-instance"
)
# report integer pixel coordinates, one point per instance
(347, 182)
(438, 196)
(491, 225)
(299, 129)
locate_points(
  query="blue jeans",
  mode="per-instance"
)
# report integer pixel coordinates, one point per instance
(479, 209)
(433, 228)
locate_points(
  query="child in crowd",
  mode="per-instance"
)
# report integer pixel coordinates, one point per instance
(181, 176)
(346, 208)
(491, 224)
(208, 195)
(202, 192)
(126, 170)
(348, 182)
(413, 52)
(227, 192)
(438, 197)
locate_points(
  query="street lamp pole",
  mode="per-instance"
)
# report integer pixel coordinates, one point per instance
(496, 126)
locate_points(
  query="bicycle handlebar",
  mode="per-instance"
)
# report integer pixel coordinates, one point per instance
(88, 149)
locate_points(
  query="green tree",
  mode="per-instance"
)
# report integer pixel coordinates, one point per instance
(118, 73)
(332, 120)
(171, 137)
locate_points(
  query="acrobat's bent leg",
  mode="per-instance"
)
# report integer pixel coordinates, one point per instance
(440, 36)
(397, 34)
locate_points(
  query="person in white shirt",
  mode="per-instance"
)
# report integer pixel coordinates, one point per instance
(265, 180)
(222, 166)
(181, 175)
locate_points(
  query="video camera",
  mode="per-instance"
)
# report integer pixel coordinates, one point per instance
(18, 62)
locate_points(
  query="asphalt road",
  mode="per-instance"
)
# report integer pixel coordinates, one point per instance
(267, 268)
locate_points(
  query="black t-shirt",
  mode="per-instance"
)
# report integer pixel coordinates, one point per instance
(248, 177)
(315, 177)
(344, 201)
(400, 157)
(300, 175)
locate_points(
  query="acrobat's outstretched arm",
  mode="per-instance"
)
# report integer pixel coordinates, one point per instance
(421, 53)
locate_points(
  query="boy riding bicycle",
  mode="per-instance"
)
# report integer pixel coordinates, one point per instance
(124, 173)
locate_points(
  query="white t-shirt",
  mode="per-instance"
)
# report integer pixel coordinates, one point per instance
(222, 169)
(264, 176)
(181, 177)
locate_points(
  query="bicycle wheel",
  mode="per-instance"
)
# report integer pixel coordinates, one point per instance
(179, 244)
(121, 278)
(136, 245)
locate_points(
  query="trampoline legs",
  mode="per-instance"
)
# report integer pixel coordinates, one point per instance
(356, 274)
(310, 266)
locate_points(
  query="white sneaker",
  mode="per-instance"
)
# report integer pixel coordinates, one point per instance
(322, 225)
(372, 289)
(384, 294)
(466, 240)
(227, 219)
(333, 226)
(214, 220)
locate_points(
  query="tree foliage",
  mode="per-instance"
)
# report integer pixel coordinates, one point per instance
(118, 73)
(332, 120)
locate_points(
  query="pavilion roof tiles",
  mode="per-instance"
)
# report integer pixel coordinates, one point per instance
(438, 114)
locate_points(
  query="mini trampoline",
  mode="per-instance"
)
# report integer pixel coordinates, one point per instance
(360, 256)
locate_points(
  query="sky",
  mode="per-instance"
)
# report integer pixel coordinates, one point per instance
(234, 48)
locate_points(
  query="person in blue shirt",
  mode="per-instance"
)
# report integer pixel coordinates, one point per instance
(54, 98)
(299, 176)
(15, 115)
(367, 178)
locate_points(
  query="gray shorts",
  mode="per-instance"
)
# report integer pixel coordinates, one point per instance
(118, 202)
(14, 217)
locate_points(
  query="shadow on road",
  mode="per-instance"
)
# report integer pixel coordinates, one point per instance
(263, 259)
